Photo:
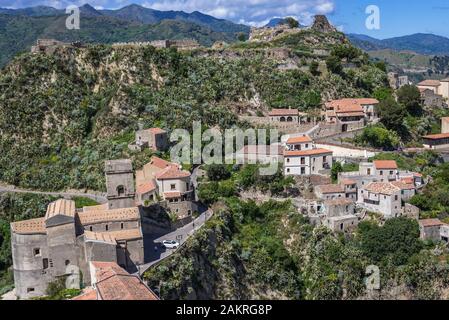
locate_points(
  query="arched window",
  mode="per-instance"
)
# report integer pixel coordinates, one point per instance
(121, 190)
(282, 119)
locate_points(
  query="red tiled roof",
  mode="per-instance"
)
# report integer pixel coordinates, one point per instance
(430, 222)
(303, 139)
(284, 112)
(403, 185)
(330, 188)
(437, 136)
(114, 283)
(146, 187)
(348, 182)
(172, 195)
(157, 130)
(302, 153)
(338, 202)
(88, 295)
(31, 226)
(61, 207)
(430, 83)
(123, 214)
(172, 173)
(382, 187)
(385, 164)
(160, 163)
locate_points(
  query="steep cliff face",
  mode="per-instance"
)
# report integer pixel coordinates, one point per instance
(271, 252)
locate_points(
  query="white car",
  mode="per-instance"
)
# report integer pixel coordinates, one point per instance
(170, 244)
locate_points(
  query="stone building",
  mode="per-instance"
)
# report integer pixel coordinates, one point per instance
(330, 192)
(154, 138)
(120, 183)
(430, 229)
(382, 197)
(351, 114)
(430, 99)
(284, 115)
(440, 87)
(111, 282)
(164, 181)
(63, 242)
(264, 154)
(438, 141)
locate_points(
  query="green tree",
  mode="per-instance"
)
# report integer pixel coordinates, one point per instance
(218, 172)
(336, 169)
(379, 137)
(396, 241)
(333, 63)
(392, 115)
(292, 23)
(410, 97)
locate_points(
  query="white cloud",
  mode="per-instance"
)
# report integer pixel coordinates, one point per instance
(252, 12)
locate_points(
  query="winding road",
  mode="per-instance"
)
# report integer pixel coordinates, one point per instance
(98, 197)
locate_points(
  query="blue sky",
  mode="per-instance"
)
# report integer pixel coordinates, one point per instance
(398, 17)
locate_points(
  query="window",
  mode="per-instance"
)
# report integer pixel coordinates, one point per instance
(107, 227)
(325, 159)
(288, 170)
(395, 198)
(341, 226)
(67, 262)
(121, 225)
(303, 170)
(30, 290)
(45, 263)
(91, 228)
(381, 173)
(391, 173)
(120, 190)
(37, 252)
(303, 160)
(288, 160)
(173, 187)
(189, 212)
(307, 145)
(368, 172)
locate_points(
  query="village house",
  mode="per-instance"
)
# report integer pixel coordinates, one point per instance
(430, 99)
(438, 141)
(161, 180)
(350, 187)
(351, 114)
(341, 223)
(154, 138)
(302, 158)
(339, 207)
(120, 183)
(381, 197)
(284, 115)
(111, 282)
(433, 230)
(440, 87)
(330, 192)
(396, 81)
(64, 241)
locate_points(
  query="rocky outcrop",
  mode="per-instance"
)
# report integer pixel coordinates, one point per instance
(321, 24)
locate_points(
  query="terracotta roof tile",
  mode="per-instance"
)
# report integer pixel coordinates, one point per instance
(386, 188)
(160, 163)
(172, 195)
(303, 139)
(104, 206)
(114, 283)
(61, 207)
(88, 295)
(430, 222)
(31, 226)
(129, 234)
(146, 187)
(430, 83)
(403, 185)
(348, 182)
(302, 153)
(172, 173)
(437, 136)
(126, 214)
(385, 164)
(284, 112)
(99, 236)
(330, 188)
(157, 130)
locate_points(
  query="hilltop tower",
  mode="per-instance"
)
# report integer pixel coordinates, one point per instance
(120, 183)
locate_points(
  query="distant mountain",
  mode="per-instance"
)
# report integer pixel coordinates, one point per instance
(275, 22)
(150, 16)
(136, 13)
(20, 28)
(422, 43)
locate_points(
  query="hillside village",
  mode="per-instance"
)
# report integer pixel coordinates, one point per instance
(116, 244)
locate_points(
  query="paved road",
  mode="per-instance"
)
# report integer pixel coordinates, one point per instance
(97, 197)
(155, 252)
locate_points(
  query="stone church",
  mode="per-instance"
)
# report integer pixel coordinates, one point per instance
(64, 242)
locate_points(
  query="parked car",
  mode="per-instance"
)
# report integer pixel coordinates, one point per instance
(170, 244)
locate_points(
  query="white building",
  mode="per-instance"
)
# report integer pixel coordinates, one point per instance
(302, 158)
(381, 197)
(440, 87)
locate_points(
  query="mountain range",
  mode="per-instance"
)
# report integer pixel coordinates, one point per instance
(422, 43)
(20, 28)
